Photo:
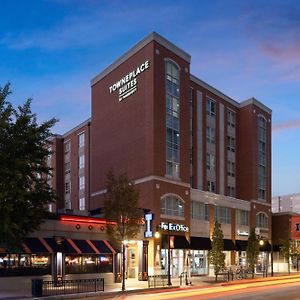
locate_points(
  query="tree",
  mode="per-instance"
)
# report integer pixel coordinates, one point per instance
(121, 207)
(24, 191)
(217, 257)
(289, 250)
(252, 250)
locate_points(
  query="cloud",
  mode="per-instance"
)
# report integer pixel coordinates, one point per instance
(286, 125)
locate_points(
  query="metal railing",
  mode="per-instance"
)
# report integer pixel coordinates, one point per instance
(41, 288)
(157, 280)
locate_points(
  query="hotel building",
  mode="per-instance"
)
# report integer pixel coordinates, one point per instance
(195, 154)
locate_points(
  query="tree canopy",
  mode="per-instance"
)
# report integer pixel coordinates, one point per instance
(24, 191)
(121, 207)
(252, 250)
(217, 256)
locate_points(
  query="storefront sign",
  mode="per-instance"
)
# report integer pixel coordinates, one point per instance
(149, 229)
(174, 227)
(128, 84)
(243, 233)
(295, 228)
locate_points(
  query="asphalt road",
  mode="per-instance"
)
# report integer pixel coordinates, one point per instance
(276, 291)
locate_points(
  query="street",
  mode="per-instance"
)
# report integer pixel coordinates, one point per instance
(277, 290)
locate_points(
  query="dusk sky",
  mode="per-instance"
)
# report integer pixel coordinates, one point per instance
(50, 50)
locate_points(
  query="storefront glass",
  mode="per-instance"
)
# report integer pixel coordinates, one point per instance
(199, 262)
(77, 264)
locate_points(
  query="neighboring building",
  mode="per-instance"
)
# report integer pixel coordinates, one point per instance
(195, 154)
(286, 203)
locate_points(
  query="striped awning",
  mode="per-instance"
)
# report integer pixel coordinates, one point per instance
(68, 246)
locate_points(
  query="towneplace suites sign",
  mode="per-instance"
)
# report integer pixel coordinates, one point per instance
(173, 227)
(128, 85)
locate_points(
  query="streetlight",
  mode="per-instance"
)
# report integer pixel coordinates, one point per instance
(169, 257)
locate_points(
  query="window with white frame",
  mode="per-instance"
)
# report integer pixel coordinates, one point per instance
(210, 107)
(210, 135)
(231, 168)
(262, 220)
(262, 125)
(172, 206)
(82, 203)
(81, 161)
(242, 217)
(67, 187)
(211, 186)
(67, 146)
(231, 118)
(230, 191)
(67, 167)
(210, 161)
(81, 140)
(199, 211)
(223, 214)
(81, 183)
(172, 120)
(231, 143)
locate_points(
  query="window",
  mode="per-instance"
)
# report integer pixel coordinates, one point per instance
(211, 186)
(261, 220)
(231, 168)
(81, 140)
(67, 167)
(82, 203)
(231, 191)
(172, 206)
(261, 157)
(210, 107)
(81, 183)
(231, 118)
(68, 187)
(199, 211)
(67, 146)
(172, 120)
(210, 135)
(231, 143)
(210, 161)
(81, 161)
(223, 214)
(242, 217)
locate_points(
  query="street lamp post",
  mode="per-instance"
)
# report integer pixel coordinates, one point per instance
(169, 257)
(272, 271)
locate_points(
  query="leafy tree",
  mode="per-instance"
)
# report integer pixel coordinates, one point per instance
(252, 250)
(121, 207)
(24, 192)
(289, 250)
(217, 257)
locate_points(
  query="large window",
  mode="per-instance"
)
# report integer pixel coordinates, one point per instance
(242, 217)
(67, 146)
(172, 120)
(82, 203)
(81, 183)
(81, 140)
(172, 206)
(261, 220)
(230, 191)
(231, 118)
(199, 211)
(81, 161)
(210, 161)
(223, 214)
(230, 143)
(210, 107)
(231, 168)
(210, 185)
(210, 135)
(261, 157)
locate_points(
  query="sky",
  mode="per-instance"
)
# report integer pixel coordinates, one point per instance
(50, 50)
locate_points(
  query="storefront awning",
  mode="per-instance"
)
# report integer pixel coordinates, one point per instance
(176, 242)
(36, 245)
(200, 243)
(241, 245)
(229, 245)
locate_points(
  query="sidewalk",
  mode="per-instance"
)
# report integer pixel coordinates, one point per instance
(133, 285)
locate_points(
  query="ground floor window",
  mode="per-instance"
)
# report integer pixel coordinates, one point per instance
(199, 262)
(77, 264)
(19, 264)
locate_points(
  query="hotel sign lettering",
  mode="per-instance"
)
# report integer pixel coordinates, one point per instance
(174, 227)
(128, 84)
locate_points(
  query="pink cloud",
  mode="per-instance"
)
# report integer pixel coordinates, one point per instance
(286, 125)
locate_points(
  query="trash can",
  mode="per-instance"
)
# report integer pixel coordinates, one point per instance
(37, 287)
